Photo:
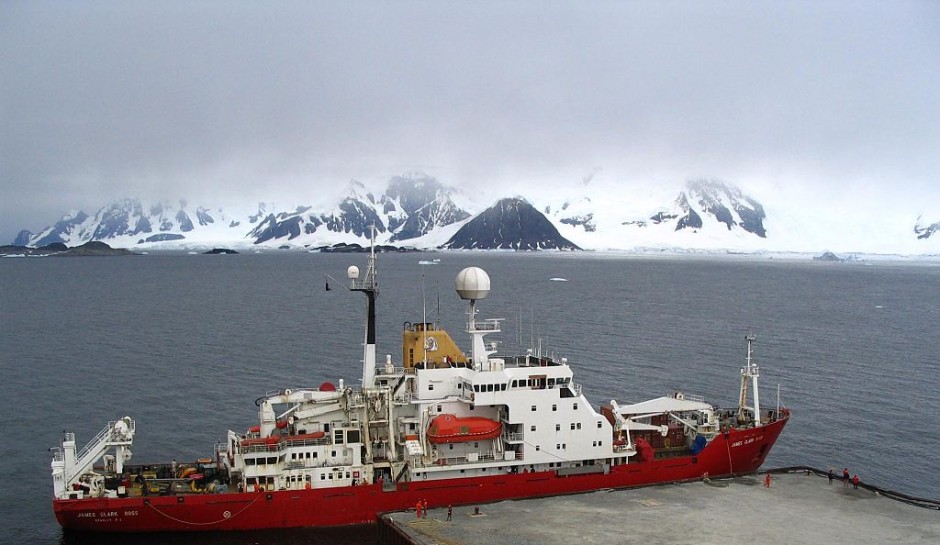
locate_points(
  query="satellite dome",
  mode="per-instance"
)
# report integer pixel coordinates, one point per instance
(352, 272)
(473, 283)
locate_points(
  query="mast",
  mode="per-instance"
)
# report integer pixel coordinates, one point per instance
(472, 284)
(752, 371)
(370, 287)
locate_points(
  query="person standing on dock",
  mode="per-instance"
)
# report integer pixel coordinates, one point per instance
(418, 509)
(450, 512)
(425, 506)
(855, 481)
(767, 479)
(831, 475)
(845, 477)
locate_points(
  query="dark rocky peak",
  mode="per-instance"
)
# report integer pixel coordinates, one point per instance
(67, 224)
(511, 224)
(925, 231)
(183, 221)
(22, 238)
(203, 216)
(725, 201)
(117, 219)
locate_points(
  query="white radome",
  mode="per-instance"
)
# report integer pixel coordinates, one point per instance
(473, 283)
(352, 272)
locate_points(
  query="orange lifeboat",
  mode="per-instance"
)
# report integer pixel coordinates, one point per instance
(271, 441)
(449, 428)
(305, 436)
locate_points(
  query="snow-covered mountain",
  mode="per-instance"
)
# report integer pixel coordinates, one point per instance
(133, 223)
(595, 213)
(701, 214)
(510, 224)
(411, 207)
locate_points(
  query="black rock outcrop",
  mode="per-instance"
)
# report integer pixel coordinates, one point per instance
(510, 224)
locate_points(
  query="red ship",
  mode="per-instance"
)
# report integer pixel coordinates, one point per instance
(439, 426)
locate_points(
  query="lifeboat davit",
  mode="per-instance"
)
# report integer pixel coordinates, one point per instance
(449, 428)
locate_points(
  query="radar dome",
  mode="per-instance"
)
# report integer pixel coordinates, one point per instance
(352, 272)
(473, 283)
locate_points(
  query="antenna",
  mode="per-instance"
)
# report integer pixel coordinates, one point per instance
(370, 287)
(424, 319)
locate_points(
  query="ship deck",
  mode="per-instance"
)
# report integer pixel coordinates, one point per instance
(796, 508)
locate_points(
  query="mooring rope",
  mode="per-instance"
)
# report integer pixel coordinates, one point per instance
(926, 503)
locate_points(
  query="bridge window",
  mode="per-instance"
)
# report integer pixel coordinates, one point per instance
(554, 407)
(557, 427)
(533, 408)
(598, 424)
(533, 428)
(575, 406)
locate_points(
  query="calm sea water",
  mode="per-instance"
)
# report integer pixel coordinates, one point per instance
(185, 344)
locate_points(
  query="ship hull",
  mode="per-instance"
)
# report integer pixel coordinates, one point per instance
(733, 453)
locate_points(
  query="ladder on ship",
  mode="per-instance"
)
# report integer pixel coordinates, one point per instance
(118, 434)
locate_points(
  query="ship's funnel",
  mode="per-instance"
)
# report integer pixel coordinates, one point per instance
(473, 283)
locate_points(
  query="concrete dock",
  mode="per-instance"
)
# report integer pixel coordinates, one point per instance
(796, 509)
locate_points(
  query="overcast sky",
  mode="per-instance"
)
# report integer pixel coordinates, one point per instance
(223, 102)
